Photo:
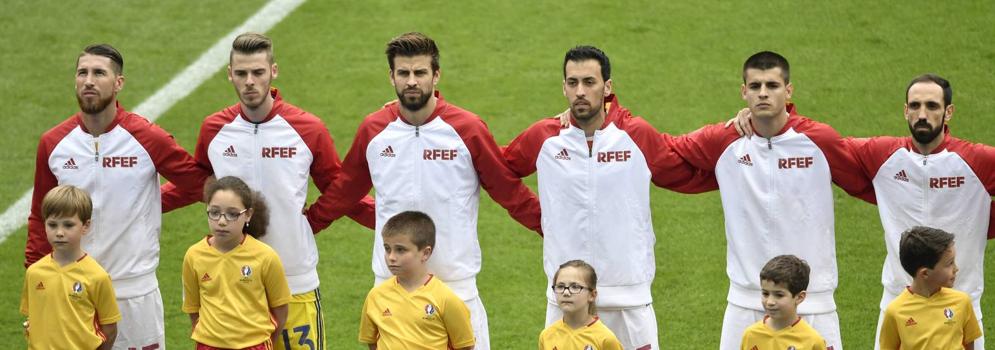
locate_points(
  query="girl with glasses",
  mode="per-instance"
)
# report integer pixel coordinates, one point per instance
(575, 287)
(234, 285)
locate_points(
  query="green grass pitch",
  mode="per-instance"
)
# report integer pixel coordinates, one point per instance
(675, 62)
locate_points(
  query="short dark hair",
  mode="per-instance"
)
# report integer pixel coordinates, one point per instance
(105, 50)
(412, 44)
(416, 225)
(948, 92)
(250, 200)
(922, 247)
(787, 269)
(587, 52)
(250, 43)
(765, 60)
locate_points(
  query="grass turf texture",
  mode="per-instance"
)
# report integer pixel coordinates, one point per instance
(678, 64)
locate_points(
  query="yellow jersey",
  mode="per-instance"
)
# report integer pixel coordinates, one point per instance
(233, 292)
(798, 336)
(430, 317)
(945, 320)
(65, 303)
(594, 336)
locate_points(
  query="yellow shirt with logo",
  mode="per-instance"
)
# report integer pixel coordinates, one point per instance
(798, 336)
(233, 292)
(594, 336)
(945, 320)
(65, 303)
(430, 317)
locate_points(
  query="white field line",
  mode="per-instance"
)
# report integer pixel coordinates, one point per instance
(177, 89)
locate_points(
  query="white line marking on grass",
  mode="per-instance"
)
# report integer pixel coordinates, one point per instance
(177, 89)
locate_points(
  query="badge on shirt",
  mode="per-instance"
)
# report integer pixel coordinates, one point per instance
(429, 312)
(77, 291)
(949, 314)
(246, 274)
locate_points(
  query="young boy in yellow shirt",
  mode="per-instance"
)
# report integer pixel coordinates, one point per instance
(783, 281)
(67, 296)
(929, 314)
(412, 309)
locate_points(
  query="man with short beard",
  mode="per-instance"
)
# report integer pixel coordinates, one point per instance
(116, 156)
(275, 147)
(594, 181)
(428, 155)
(934, 179)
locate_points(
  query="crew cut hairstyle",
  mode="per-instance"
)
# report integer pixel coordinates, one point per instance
(412, 44)
(250, 43)
(787, 269)
(67, 201)
(591, 280)
(416, 225)
(105, 50)
(922, 247)
(948, 92)
(250, 200)
(765, 60)
(587, 52)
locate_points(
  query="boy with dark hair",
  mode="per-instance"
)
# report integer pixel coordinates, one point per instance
(413, 310)
(783, 281)
(929, 314)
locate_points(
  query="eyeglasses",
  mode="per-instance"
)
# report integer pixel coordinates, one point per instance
(216, 215)
(573, 288)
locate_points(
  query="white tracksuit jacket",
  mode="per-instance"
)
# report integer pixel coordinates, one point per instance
(437, 168)
(120, 170)
(595, 200)
(275, 157)
(949, 189)
(777, 199)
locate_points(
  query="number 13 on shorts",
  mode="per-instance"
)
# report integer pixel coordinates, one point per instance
(304, 329)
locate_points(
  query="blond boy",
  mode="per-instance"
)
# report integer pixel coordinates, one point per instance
(929, 314)
(413, 309)
(783, 281)
(67, 296)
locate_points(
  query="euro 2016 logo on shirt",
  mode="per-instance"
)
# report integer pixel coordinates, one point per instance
(429, 312)
(246, 274)
(588, 347)
(77, 291)
(949, 314)
(791, 347)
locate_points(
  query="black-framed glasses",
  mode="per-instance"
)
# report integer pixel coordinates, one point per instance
(216, 215)
(573, 288)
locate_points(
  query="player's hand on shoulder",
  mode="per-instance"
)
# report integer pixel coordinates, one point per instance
(742, 122)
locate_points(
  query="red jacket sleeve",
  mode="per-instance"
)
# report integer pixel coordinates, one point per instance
(703, 147)
(668, 169)
(844, 167)
(177, 197)
(171, 161)
(523, 152)
(326, 166)
(504, 186)
(37, 245)
(353, 182)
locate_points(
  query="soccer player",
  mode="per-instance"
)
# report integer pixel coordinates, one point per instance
(776, 196)
(594, 181)
(67, 296)
(424, 153)
(783, 281)
(273, 146)
(234, 287)
(576, 286)
(413, 309)
(932, 178)
(928, 314)
(116, 156)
